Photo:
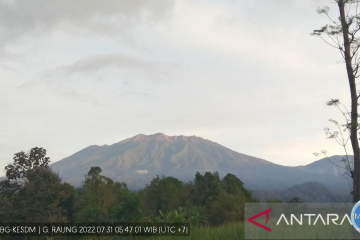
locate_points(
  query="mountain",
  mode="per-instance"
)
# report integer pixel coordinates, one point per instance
(308, 192)
(139, 159)
(329, 165)
(334, 166)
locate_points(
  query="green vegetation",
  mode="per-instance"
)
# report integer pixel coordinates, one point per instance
(33, 193)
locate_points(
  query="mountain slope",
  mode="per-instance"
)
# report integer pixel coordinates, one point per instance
(308, 192)
(328, 165)
(139, 159)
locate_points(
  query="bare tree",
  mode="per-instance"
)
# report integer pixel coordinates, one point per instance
(341, 135)
(342, 34)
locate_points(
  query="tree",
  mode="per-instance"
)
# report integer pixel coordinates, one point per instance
(233, 185)
(25, 162)
(176, 216)
(229, 204)
(197, 216)
(226, 208)
(343, 34)
(44, 198)
(128, 210)
(97, 188)
(7, 207)
(206, 189)
(32, 192)
(163, 194)
(98, 195)
(91, 214)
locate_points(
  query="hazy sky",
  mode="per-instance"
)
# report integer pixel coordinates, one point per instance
(245, 74)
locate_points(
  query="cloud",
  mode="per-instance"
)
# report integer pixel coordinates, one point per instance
(141, 172)
(97, 63)
(50, 88)
(226, 28)
(18, 18)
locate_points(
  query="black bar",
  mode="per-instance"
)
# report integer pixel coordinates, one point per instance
(94, 229)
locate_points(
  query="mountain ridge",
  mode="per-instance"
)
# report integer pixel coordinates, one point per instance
(308, 192)
(138, 159)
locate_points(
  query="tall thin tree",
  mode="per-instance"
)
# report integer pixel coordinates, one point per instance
(343, 34)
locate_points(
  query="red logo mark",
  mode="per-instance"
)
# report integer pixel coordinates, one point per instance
(266, 212)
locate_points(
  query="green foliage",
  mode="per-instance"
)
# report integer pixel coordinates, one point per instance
(197, 216)
(43, 198)
(233, 185)
(163, 194)
(38, 195)
(130, 210)
(223, 201)
(99, 196)
(206, 188)
(91, 214)
(25, 162)
(226, 208)
(32, 192)
(46, 196)
(176, 216)
(7, 207)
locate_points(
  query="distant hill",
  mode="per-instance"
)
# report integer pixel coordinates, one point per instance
(308, 192)
(328, 165)
(139, 159)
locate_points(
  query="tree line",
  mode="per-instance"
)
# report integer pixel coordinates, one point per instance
(33, 193)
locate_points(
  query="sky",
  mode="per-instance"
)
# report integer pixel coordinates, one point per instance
(244, 74)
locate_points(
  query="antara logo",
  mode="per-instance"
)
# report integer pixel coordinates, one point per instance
(266, 212)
